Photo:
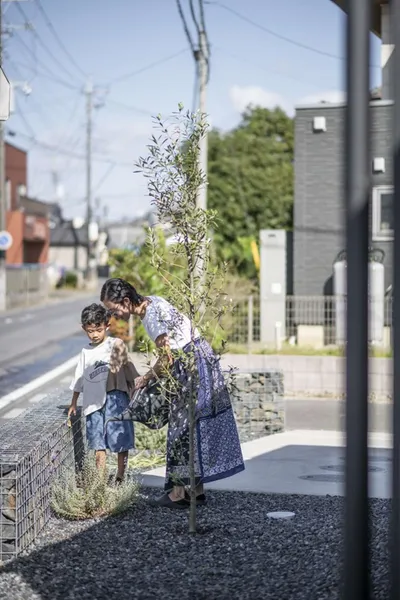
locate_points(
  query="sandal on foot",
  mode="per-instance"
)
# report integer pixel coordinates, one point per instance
(201, 499)
(166, 502)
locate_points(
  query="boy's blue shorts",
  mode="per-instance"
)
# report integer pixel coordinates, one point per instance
(119, 435)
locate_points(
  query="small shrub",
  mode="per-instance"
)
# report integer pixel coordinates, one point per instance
(87, 494)
(151, 440)
(71, 279)
(151, 446)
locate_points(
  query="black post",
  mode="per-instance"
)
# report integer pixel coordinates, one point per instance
(395, 532)
(356, 578)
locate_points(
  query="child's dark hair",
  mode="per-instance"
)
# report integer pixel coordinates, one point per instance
(95, 314)
(116, 290)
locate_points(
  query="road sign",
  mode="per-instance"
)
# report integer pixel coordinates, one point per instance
(6, 240)
(4, 97)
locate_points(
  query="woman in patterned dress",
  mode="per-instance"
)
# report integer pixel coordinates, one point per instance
(217, 447)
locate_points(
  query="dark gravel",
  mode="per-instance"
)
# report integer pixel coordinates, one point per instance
(238, 554)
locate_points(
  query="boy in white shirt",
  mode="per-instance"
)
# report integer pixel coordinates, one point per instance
(105, 377)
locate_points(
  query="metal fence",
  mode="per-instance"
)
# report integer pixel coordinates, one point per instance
(243, 326)
(328, 313)
(33, 450)
(26, 284)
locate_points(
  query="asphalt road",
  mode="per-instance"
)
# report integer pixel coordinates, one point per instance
(38, 339)
(329, 415)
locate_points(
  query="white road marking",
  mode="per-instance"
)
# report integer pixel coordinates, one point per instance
(36, 398)
(39, 382)
(15, 412)
(27, 317)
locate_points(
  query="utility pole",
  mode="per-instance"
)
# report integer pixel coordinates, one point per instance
(3, 199)
(201, 56)
(89, 110)
(3, 207)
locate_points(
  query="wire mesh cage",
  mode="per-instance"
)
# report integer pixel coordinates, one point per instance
(33, 450)
(258, 403)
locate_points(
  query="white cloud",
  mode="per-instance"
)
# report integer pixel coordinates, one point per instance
(242, 97)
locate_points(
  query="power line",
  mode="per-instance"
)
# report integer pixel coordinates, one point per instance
(25, 121)
(131, 108)
(266, 69)
(279, 36)
(64, 151)
(185, 27)
(148, 67)
(50, 75)
(102, 179)
(45, 116)
(57, 38)
(194, 17)
(44, 46)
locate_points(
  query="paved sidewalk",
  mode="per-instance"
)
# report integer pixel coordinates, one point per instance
(301, 462)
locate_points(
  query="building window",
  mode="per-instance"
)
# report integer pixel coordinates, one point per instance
(382, 213)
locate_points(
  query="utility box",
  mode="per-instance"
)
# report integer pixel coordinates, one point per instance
(272, 285)
(376, 296)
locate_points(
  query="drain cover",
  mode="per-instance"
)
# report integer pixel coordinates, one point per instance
(324, 478)
(341, 468)
(283, 514)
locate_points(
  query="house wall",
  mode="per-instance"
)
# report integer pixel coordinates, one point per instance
(16, 163)
(30, 238)
(319, 211)
(68, 257)
(15, 226)
(36, 239)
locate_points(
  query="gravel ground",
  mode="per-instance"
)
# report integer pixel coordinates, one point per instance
(238, 554)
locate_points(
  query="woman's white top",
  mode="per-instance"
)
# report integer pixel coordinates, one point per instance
(162, 318)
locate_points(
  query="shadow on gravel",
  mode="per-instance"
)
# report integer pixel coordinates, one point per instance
(240, 554)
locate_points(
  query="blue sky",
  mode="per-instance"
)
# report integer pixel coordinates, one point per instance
(116, 39)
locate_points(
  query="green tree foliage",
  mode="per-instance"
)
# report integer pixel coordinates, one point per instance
(138, 268)
(251, 182)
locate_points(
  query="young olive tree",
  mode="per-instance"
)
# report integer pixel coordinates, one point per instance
(194, 283)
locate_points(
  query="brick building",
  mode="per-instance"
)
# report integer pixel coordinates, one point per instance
(26, 218)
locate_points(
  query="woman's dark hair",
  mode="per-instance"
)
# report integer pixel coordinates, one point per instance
(95, 314)
(116, 290)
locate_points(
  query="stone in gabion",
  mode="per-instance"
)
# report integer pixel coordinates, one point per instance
(258, 402)
(33, 449)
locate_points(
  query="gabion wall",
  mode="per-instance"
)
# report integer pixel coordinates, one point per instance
(258, 402)
(33, 449)
(35, 446)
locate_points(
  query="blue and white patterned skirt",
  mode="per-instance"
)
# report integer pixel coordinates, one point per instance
(217, 445)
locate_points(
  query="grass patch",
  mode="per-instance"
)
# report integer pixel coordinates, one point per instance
(288, 350)
(88, 494)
